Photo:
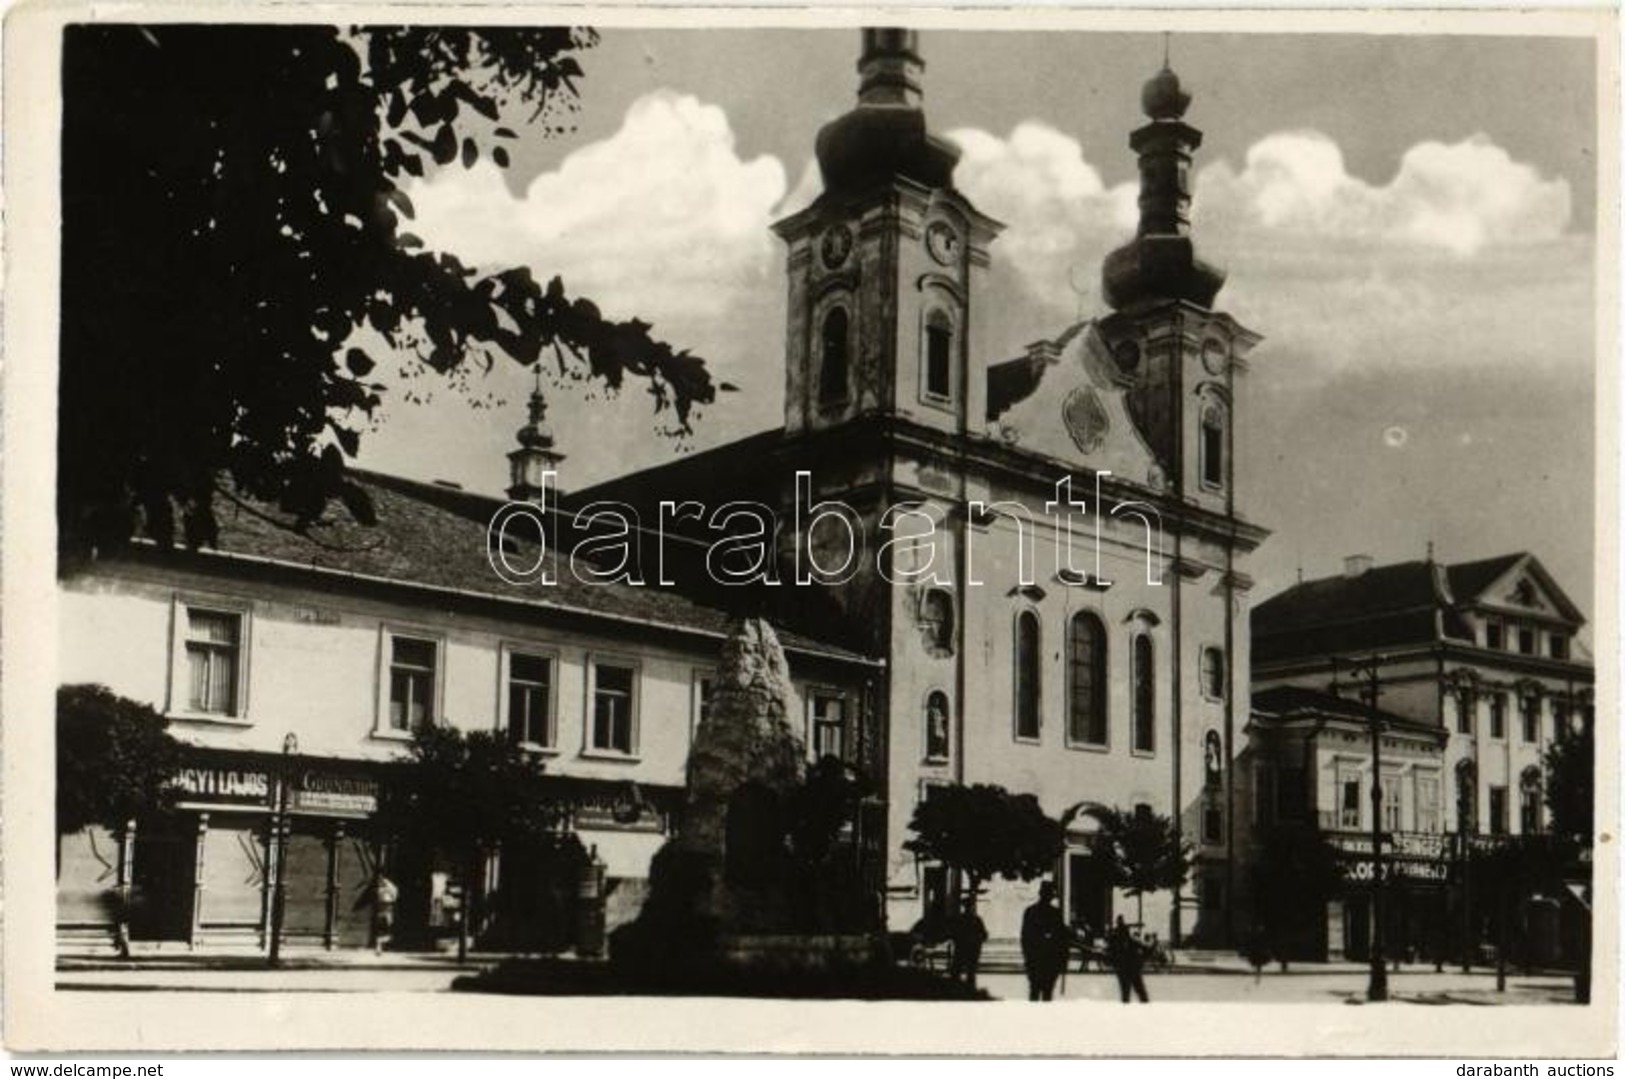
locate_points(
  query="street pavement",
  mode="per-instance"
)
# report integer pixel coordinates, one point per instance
(349, 972)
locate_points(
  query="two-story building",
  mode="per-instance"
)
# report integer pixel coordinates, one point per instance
(1476, 668)
(296, 665)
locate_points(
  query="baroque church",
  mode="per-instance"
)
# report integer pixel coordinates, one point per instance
(1064, 612)
(1049, 596)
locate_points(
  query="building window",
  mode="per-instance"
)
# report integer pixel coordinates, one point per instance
(1143, 678)
(1498, 715)
(1348, 811)
(704, 685)
(828, 726)
(938, 716)
(213, 660)
(1427, 804)
(1464, 713)
(1529, 712)
(939, 346)
(1213, 673)
(614, 702)
(832, 370)
(1560, 718)
(1027, 676)
(1559, 646)
(1494, 634)
(530, 699)
(1498, 811)
(1529, 801)
(1086, 667)
(1212, 449)
(1393, 804)
(413, 666)
(1526, 639)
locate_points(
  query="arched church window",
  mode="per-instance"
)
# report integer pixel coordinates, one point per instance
(833, 362)
(1027, 675)
(1212, 447)
(1086, 678)
(939, 350)
(1143, 678)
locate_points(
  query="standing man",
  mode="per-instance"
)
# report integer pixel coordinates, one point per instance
(968, 934)
(1128, 961)
(1044, 944)
(384, 894)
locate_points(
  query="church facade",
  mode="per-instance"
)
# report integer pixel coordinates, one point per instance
(1044, 550)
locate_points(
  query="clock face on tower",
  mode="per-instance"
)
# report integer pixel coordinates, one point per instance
(943, 242)
(836, 246)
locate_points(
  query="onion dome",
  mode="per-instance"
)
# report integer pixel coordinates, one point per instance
(885, 135)
(1160, 263)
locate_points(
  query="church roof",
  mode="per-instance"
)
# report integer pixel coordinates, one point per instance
(433, 537)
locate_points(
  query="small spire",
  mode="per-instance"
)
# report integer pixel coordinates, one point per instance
(1430, 550)
(1167, 35)
(890, 67)
(535, 455)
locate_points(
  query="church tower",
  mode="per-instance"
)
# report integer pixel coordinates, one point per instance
(1184, 355)
(883, 266)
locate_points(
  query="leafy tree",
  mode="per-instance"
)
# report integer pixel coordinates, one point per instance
(466, 795)
(1294, 872)
(236, 259)
(1570, 789)
(983, 831)
(1143, 852)
(115, 761)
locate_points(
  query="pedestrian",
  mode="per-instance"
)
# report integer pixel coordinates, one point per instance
(968, 933)
(1128, 961)
(384, 894)
(1044, 944)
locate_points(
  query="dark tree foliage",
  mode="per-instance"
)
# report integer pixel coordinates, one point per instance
(1143, 851)
(233, 215)
(1570, 788)
(984, 831)
(115, 759)
(1293, 873)
(466, 795)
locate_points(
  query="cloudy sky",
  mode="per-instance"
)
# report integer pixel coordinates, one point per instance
(1409, 222)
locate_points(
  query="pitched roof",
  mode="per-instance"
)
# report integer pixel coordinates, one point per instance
(1416, 602)
(434, 537)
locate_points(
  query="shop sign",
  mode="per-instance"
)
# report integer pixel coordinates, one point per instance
(232, 786)
(1429, 845)
(325, 792)
(1363, 870)
(624, 808)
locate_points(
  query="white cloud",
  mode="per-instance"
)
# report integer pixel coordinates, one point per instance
(1458, 198)
(660, 220)
(1061, 216)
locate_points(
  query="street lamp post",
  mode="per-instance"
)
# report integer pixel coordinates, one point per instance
(279, 830)
(1370, 669)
